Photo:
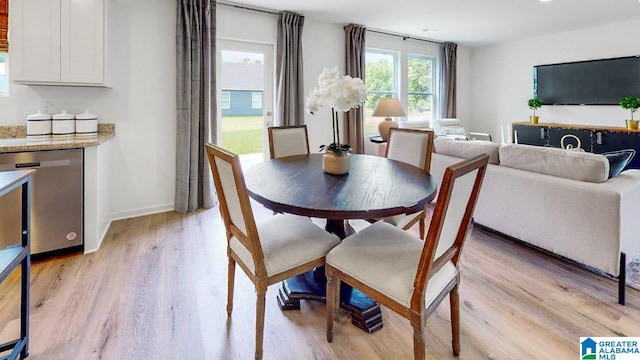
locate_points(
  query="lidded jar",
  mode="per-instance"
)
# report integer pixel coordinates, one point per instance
(38, 126)
(86, 125)
(63, 125)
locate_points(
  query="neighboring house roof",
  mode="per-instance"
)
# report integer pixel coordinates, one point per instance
(242, 76)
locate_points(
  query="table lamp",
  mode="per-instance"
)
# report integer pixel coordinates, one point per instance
(388, 107)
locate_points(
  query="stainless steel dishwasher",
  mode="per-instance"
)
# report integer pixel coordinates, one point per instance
(56, 200)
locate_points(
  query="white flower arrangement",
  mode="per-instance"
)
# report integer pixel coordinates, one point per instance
(339, 93)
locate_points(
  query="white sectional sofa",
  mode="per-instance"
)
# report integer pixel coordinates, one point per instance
(559, 200)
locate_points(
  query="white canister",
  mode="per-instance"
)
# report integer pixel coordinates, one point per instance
(63, 125)
(86, 125)
(38, 126)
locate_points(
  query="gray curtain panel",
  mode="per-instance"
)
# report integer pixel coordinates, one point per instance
(448, 59)
(196, 103)
(354, 118)
(289, 75)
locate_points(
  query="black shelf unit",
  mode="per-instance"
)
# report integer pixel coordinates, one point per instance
(18, 255)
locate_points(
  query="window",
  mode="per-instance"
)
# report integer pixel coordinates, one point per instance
(403, 75)
(4, 47)
(4, 74)
(256, 100)
(225, 100)
(420, 86)
(381, 78)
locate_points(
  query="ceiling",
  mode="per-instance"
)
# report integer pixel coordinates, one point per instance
(467, 22)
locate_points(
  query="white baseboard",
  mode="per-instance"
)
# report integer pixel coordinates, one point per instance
(141, 212)
(127, 215)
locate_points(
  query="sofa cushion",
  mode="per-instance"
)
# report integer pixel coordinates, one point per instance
(576, 165)
(467, 149)
(618, 160)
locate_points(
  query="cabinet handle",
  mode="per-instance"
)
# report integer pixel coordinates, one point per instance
(599, 138)
(27, 165)
(543, 134)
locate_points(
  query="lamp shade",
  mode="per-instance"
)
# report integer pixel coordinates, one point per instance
(388, 107)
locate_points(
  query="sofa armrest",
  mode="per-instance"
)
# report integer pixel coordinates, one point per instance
(627, 184)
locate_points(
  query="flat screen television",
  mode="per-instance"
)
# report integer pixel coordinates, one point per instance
(595, 82)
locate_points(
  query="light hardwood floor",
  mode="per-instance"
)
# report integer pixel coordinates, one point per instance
(157, 290)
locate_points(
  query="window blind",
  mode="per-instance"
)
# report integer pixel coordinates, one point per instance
(4, 25)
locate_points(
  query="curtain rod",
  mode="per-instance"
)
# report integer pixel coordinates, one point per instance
(250, 8)
(404, 37)
(272, 12)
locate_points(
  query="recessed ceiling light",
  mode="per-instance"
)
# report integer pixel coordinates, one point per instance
(544, 0)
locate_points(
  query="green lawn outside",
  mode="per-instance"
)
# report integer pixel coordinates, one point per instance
(242, 134)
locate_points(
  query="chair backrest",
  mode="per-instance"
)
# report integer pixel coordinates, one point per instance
(411, 146)
(288, 141)
(450, 222)
(234, 202)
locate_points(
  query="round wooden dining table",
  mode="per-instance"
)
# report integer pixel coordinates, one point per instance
(375, 187)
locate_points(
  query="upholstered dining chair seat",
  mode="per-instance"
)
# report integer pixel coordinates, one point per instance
(268, 251)
(403, 221)
(405, 273)
(396, 254)
(287, 242)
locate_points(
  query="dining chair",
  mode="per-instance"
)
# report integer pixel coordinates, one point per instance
(411, 276)
(288, 141)
(414, 147)
(269, 251)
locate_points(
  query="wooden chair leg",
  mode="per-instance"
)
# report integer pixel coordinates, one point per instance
(422, 223)
(231, 271)
(454, 300)
(331, 303)
(418, 342)
(261, 292)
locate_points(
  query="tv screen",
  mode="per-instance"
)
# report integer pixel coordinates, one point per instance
(595, 82)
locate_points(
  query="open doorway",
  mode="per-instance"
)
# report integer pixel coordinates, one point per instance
(245, 98)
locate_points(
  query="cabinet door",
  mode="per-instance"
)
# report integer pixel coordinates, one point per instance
(530, 135)
(35, 40)
(584, 135)
(82, 41)
(605, 141)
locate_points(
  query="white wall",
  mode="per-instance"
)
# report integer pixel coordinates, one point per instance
(502, 76)
(323, 47)
(142, 96)
(141, 102)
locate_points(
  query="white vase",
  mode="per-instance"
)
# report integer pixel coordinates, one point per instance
(384, 127)
(336, 164)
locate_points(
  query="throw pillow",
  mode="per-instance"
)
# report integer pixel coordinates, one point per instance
(618, 160)
(576, 165)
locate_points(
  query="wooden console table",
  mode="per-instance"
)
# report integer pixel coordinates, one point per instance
(595, 139)
(18, 254)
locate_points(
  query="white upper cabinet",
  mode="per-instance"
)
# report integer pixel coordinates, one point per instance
(57, 42)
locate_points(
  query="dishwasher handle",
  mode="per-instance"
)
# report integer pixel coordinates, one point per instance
(27, 165)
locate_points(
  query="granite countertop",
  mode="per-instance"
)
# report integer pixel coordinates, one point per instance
(13, 139)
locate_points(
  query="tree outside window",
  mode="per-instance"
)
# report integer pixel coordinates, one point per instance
(381, 79)
(420, 87)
